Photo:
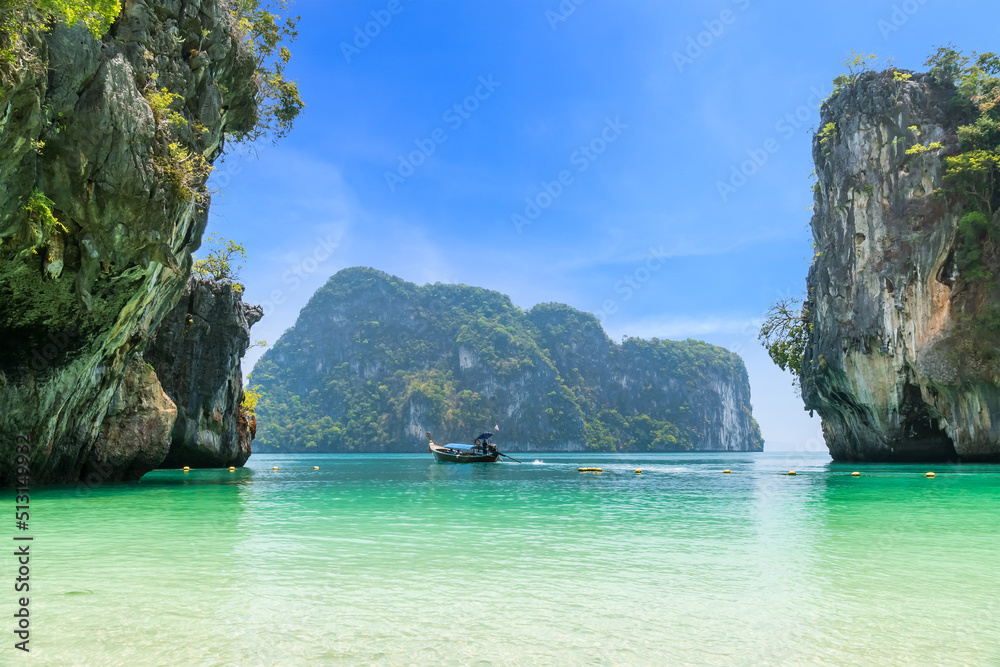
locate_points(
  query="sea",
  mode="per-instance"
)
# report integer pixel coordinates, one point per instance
(395, 559)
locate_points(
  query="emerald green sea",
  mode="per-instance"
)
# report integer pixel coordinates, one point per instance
(396, 559)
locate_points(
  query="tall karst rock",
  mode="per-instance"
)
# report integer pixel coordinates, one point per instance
(112, 137)
(893, 364)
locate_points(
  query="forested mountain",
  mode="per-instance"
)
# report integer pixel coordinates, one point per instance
(374, 361)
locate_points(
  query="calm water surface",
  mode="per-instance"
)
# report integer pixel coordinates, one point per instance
(397, 559)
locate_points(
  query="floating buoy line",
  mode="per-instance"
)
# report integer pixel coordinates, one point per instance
(233, 468)
(639, 471)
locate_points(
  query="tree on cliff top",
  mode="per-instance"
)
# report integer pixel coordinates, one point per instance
(972, 175)
(267, 32)
(221, 263)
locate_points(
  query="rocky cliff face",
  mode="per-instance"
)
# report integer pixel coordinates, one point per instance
(886, 366)
(373, 362)
(123, 171)
(704, 388)
(196, 354)
(135, 433)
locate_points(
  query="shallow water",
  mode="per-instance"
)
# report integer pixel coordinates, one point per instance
(397, 559)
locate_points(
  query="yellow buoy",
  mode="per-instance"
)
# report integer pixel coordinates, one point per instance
(855, 474)
(232, 468)
(930, 474)
(590, 469)
(638, 471)
(726, 471)
(315, 467)
(186, 468)
(791, 472)
(274, 468)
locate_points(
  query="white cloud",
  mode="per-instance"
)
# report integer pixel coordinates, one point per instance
(679, 328)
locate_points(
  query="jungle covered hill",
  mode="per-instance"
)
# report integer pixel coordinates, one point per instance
(374, 361)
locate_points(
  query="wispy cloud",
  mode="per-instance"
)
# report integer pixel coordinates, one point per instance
(625, 247)
(676, 328)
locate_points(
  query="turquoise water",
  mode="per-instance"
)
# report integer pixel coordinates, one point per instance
(396, 559)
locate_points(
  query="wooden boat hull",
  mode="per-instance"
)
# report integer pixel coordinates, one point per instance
(441, 454)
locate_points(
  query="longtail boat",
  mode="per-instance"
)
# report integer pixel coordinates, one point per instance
(483, 451)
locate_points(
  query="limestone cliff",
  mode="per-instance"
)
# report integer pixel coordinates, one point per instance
(87, 134)
(887, 366)
(704, 388)
(196, 353)
(374, 361)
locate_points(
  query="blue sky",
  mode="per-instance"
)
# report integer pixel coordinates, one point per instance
(612, 129)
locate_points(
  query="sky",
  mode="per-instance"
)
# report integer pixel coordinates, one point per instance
(646, 161)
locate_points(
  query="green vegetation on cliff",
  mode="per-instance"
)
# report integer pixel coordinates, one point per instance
(785, 334)
(264, 28)
(374, 361)
(114, 114)
(268, 31)
(19, 17)
(971, 183)
(222, 261)
(67, 263)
